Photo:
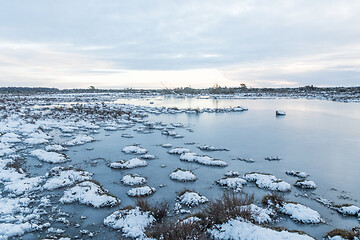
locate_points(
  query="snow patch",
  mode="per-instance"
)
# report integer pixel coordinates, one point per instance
(268, 181)
(182, 175)
(50, 157)
(132, 222)
(89, 193)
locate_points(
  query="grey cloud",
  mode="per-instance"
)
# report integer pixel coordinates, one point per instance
(178, 35)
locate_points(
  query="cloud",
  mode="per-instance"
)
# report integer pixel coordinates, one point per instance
(262, 43)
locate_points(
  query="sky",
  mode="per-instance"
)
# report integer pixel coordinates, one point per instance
(170, 43)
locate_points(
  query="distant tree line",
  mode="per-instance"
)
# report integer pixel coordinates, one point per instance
(27, 89)
(216, 89)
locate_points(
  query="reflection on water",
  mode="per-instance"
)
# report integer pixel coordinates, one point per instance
(318, 137)
(351, 110)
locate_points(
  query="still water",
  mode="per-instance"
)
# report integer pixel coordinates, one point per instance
(321, 138)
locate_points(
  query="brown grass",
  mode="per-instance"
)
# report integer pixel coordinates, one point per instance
(179, 231)
(355, 232)
(228, 206)
(274, 199)
(158, 210)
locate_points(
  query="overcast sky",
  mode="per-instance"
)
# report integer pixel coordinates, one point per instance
(144, 44)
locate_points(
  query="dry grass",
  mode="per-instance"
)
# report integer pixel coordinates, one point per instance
(227, 207)
(158, 210)
(351, 235)
(180, 231)
(216, 212)
(17, 165)
(274, 199)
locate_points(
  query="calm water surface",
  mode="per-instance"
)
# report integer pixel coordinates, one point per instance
(319, 137)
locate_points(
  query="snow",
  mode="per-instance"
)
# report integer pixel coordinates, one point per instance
(5, 149)
(238, 229)
(189, 220)
(210, 148)
(178, 151)
(178, 125)
(24, 185)
(324, 201)
(297, 174)
(132, 222)
(258, 214)
(55, 147)
(15, 229)
(10, 138)
(204, 160)
(134, 150)
(148, 156)
(268, 181)
(235, 183)
(36, 140)
(300, 213)
(191, 199)
(167, 145)
(110, 128)
(132, 163)
(89, 193)
(337, 237)
(127, 135)
(60, 177)
(248, 160)
(182, 175)
(232, 173)
(133, 179)
(305, 184)
(350, 210)
(10, 174)
(50, 157)
(79, 140)
(141, 191)
(17, 217)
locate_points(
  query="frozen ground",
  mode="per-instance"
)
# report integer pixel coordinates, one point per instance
(68, 162)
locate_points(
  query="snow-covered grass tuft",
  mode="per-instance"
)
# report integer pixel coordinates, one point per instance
(183, 175)
(148, 157)
(134, 150)
(341, 234)
(307, 184)
(133, 180)
(65, 176)
(79, 140)
(25, 185)
(167, 145)
(141, 191)
(234, 183)
(237, 229)
(232, 174)
(297, 174)
(300, 213)
(55, 147)
(204, 160)
(132, 163)
(90, 193)
(178, 151)
(191, 199)
(296, 211)
(260, 215)
(348, 209)
(268, 181)
(132, 222)
(211, 148)
(50, 157)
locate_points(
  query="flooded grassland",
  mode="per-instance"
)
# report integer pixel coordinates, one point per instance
(72, 164)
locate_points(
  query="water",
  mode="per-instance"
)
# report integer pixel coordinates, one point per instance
(319, 137)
